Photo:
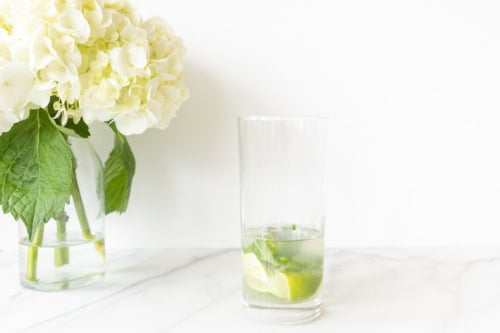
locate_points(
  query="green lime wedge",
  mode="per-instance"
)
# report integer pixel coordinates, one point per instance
(295, 285)
(254, 273)
(287, 285)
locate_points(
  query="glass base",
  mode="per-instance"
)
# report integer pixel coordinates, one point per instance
(289, 314)
(61, 265)
(62, 283)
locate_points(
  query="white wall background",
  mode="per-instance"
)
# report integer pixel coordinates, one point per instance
(412, 89)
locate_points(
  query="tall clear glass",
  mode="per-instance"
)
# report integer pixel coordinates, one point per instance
(282, 182)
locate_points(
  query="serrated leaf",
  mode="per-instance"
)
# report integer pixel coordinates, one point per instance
(119, 171)
(35, 171)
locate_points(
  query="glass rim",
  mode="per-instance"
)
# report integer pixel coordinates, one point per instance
(281, 118)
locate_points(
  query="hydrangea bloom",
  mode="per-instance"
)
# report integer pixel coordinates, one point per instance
(98, 57)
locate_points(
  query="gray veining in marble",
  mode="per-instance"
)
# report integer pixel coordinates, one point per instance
(199, 290)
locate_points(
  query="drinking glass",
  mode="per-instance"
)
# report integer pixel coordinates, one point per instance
(282, 182)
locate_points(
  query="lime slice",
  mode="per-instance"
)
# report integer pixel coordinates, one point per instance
(254, 273)
(270, 269)
(295, 286)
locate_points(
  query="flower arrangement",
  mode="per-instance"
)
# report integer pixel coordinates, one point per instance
(65, 64)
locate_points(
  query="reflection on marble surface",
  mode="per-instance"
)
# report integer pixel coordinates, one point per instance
(197, 290)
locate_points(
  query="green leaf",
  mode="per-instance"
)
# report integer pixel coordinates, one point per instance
(81, 129)
(35, 171)
(119, 171)
(78, 130)
(266, 250)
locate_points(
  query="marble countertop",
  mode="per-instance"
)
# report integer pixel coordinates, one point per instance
(422, 290)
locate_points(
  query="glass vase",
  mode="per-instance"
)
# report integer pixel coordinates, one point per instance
(68, 251)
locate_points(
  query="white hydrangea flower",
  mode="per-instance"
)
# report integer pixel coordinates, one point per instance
(16, 87)
(128, 60)
(98, 56)
(73, 23)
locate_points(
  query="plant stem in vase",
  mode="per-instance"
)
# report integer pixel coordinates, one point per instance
(61, 254)
(80, 209)
(33, 255)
